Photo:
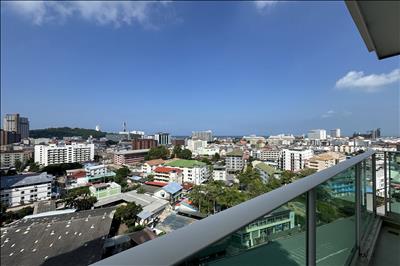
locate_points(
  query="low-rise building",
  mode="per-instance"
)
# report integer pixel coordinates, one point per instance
(168, 174)
(23, 189)
(234, 161)
(262, 230)
(325, 160)
(104, 190)
(171, 192)
(193, 171)
(8, 158)
(149, 166)
(268, 154)
(266, 171)
(130, 156)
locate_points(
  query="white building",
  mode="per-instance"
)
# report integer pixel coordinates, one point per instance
(203, 135)
(268, 154)
(163, 138)
(234, 161)
(66, 153)
(281, 139)
(335, 133)
(23, 189)
(219, 173)
(294, 159)
(254, 140)
(193, 171)
(168, 174)
(208, 151)
(196, 144)
(317, 134)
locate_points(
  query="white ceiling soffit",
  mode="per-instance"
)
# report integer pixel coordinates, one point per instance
(379, 25)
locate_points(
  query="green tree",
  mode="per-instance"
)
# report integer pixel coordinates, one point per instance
(128, 213)
(160, 152)
(140, 190)
(216, 157)
(18, 165)
(186, 154)
(176, 152)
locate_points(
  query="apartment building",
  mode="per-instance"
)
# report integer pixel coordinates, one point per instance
(268, 154)
(335, 133)
(196, 144)
(234, 161)
(149, 166)
(325, 160)
(140, 144)
(63, 153)
(130, 156)
(168, 174)
(317, 134)
(24, 189)
(203, 135)
(294, 159)
(219, 173)
(193, 171)
(8, 158)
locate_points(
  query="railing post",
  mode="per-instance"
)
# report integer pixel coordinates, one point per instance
(311, 228)
(385, 181)
(389, 180)
(358, 205)
(373, 169)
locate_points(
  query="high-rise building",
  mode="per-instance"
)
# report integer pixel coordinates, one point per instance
(335, 133)
(8, 137)
(65, 153)
(163, 138)
(203, 135)
(317, 134)
(16, 123)
(294, 159)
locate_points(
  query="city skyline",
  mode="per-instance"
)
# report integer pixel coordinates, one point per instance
(236, 68)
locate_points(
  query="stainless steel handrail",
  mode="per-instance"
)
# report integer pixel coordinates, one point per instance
(179, 245)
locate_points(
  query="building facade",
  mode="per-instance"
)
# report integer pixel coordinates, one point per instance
(335, 133)
(234, 161)
(203, 135)
(16, 123)
(140, 144)
(24, 189)
(64, 153)
(294, 159)
(163, 138)
(193, 171)
(168, 174)
(8, 158)
(325, 160)
(130, 156)
(317, 134)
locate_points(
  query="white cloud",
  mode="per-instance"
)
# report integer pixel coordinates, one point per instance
(357, 80)
(261, 5)
(116, 13)
(328, 114)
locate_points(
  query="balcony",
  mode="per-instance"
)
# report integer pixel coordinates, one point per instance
(333, 217)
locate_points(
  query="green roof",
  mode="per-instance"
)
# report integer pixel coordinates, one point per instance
(235, 153)
(185, 163)
(266, 168)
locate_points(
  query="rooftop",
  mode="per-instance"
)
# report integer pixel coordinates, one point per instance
(235, 153)
(69, 239)
(155, 162)
(24, 180)
(172, 188)
(131, 152)
(167, 170)
(186, 163)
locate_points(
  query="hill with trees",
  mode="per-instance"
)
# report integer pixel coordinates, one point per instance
(60, 132)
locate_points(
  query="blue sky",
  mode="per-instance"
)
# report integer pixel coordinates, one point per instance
(233, 67)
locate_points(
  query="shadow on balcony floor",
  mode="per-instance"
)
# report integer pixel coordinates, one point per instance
(387, 248)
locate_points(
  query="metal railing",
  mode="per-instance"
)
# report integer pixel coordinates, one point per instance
(180, 245)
